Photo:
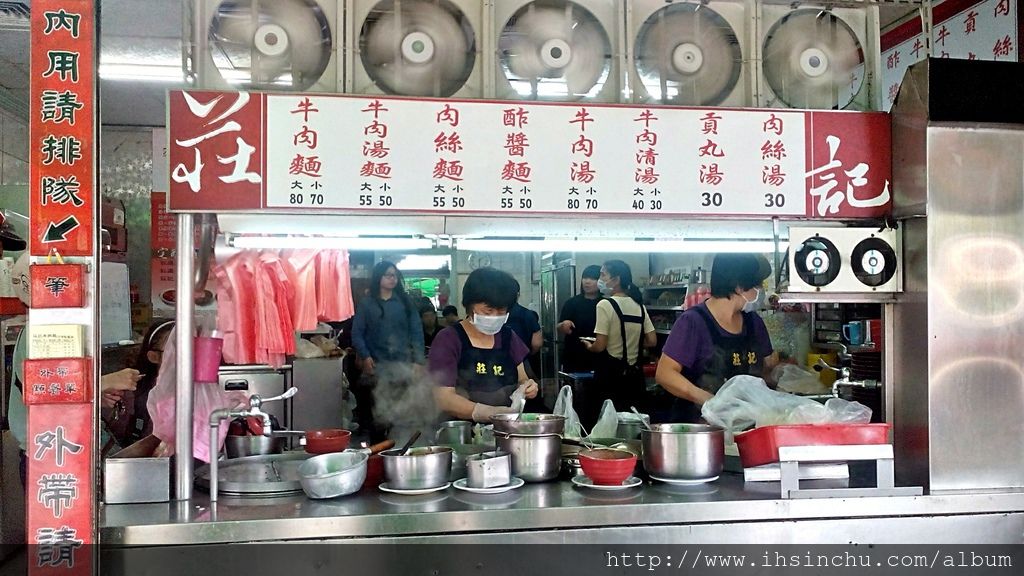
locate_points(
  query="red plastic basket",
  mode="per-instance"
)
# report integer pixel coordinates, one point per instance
(761, 445)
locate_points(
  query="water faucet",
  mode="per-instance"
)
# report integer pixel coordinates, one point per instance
(255, 403)
(844, 374)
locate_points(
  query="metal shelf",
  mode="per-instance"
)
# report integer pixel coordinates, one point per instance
(837, 297)
(665, 308)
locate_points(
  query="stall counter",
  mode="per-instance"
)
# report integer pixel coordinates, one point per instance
(724, 511)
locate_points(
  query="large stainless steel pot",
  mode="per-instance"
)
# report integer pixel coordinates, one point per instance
(420, 468)
(534, 458)
(683, 451)
(528, 424)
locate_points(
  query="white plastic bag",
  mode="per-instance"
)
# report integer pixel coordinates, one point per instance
(607, 423)
(746, 401)
(563, 407)
(519, 398)
(306, 349)
(793, 378)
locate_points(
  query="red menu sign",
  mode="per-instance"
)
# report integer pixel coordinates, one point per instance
(61, 127)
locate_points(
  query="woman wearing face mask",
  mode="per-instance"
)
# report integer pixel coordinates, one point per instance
(623, 327)
(477, 363)
(718, 339)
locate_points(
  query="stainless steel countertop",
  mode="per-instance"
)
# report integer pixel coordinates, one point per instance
(547, 506)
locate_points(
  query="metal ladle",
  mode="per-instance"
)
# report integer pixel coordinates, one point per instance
(643, 421)
(408, 445)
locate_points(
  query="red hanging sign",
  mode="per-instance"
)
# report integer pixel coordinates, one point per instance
(58, 381)
(61, 127)
(59, 492)
(57, 285)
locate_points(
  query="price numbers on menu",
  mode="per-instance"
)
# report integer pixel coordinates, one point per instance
(582, 204)
(520, 203)
(774, 200)
(384, 200)
(652, 205)
(300, 199)
(449, 202)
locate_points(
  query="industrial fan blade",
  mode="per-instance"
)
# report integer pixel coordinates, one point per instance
(559, 45)
(417, 48)
(688, 54)
(809, 59)
(271, 43)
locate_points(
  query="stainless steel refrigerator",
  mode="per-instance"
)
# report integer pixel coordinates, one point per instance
(557, 285)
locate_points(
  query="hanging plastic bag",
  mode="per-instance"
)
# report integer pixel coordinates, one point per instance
(563, 407)
(206, 399)
(607, 423)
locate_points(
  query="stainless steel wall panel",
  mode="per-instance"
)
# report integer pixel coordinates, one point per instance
(976, 307)
(910, 359)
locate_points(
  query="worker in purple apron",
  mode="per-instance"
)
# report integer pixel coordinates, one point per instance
(720, 338)
(477, 363)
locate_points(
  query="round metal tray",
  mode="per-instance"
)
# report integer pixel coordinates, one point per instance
(268, 475)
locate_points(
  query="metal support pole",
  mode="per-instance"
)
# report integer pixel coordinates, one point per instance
(183, 360)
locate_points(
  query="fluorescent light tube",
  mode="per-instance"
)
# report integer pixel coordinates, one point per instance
(144, 72)
(615, 245)
(332, 242)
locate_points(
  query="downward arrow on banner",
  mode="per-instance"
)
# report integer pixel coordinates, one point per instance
(59, 232)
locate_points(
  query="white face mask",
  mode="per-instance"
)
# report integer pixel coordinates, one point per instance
(604, 288)
(489, 324)
(751, 305)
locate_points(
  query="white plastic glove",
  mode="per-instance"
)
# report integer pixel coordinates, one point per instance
(483, 412)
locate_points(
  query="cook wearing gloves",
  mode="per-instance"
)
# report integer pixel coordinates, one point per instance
(719, 338)
(477, 363)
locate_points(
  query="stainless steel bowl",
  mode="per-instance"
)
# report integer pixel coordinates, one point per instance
(426, 467)
(333, 475)
(683, 451)
(534, 458)
(528, 424)
(242, 446)
(460, 454)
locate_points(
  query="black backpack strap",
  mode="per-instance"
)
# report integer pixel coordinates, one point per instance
(622, 327)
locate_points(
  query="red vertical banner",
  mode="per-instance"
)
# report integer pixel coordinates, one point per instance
(61, 127)
(60, 492)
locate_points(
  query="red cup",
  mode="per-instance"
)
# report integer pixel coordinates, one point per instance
(327, 440)
(206, 360)
(607, 467)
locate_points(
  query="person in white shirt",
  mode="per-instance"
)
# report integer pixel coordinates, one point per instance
(623, 329)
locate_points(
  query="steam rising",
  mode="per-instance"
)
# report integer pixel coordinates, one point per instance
(404, 399)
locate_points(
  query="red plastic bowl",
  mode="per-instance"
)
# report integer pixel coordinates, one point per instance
(327, 441)
(606, 466)
(761, 445)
